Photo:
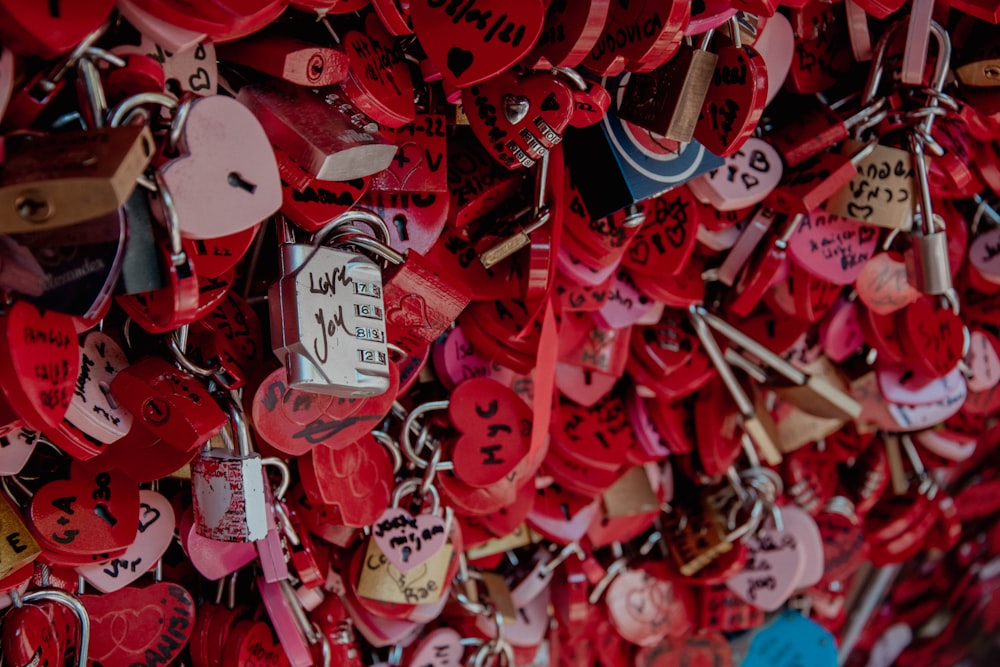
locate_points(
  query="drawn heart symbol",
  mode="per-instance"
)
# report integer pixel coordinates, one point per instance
(296, 422)
(29, 638)
(519, 129)
(496, 430)
(39, 364)
(735, 100)
(155, 533)
(833, 248)
(135, 625)
(772, 572)
(666, 240)
(226, 179)
(475, 44)
(199, 80)
(411, 312)
(93, 512)
(408, 541)
(440, 648)
(357, 480)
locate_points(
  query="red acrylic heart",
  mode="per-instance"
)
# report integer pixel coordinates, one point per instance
(472, 43)
(357, 480)
(735, 100)
(137, 625)
(933, 335)
(496, 430)
(29, 638)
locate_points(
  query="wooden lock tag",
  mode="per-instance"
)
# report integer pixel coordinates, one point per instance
(17, 546)
(881, 194)
(380, 580)
(62, 179)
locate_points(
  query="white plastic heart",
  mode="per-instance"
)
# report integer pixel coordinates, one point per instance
(91, 409)
(156, 531)
(193, 69)
(226, 178)
(746, 179)
(17, 442)
(983, 360)
(773, 570)
(776, 45)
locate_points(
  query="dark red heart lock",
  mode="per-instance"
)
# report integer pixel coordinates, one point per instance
(882, 334)
(954, 177)
(355, 482)
(141, 74)
(810, 478)
(577, 478)
(895, 515)
(706, 649)
(933, 335)
(645, 605)
(668, 359)
(378, 80)
(295, 422)
(719, 428)
(250, 641)
(477, 500)
(561, 516)
(804, 296)
(230, 336)
(724, 611)
(518, 119)
(495, 427)
(415, 220)
(571, 29)
(311, 203)
(639, 35)
(128, 623)
(52, 29)
(674, 419)
(167, 308)
(590, 105)
(330, 617)
(39, 364)
(607, 240)
(169, 403)
(735, 100)
(93, 512)
(769, 262)
(214, 257)
(476, 183)
(472, 44)
(503, 331)
(222, 19)
(666, 239)
(844, 545)
(144, 457)
(598, 436)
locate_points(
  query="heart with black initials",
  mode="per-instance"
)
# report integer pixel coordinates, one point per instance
(519, 118)
(478, 41)
(408, 541)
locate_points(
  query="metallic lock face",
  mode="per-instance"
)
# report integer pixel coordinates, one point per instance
(328, 317)
(227, 488)
(927, 263)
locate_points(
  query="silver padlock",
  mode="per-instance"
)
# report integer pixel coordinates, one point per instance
(327, 311)
(227, 488)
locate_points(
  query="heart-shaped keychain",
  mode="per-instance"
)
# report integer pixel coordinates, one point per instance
(39, 363)
(472, 44)
(496, 430)
(356, 480)
(378, 80)
(519, 118)
(226, 152)
(155, 533)
(132, 623)
(571, 30)
(735, 100)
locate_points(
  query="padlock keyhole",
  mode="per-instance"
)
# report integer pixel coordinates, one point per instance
(237, 181)
(102, 511)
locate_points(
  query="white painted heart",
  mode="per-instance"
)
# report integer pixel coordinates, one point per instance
(156, 530)
(92, 410)
(747, 177)
(408, 541)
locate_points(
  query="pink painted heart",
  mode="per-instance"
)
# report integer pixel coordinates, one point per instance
(226, 179)
(92, 410)
(129, 624)
(213, 559)
(473, 42)
(440, 648)
(918, 417)
(645, 607)
(38, 364)
(746, 179)
(17, 442)
(408, 541)
(831, 247)
(776, 45)
(155, 532)
(773, 570)
(799, 523)
(882, 285)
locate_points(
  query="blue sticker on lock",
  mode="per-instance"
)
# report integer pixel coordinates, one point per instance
(614, 163)
(792, 640)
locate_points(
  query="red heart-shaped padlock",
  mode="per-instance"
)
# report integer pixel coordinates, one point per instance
(29, 638)
(933, 335)
(378, 80)
(571, 30)
(735, 100)
(49, 29)
(519, 118)
(356, 480)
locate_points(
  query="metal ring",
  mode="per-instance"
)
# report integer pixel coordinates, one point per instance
(410, 486)
(374, 222)
(286, 475)
(408, 427)
(65, 599)
(386, 441)
(177, 254)
(362, 240)
(132, 103)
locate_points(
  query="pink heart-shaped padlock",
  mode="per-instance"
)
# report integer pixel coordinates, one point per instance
(409, 541)
(772, 572)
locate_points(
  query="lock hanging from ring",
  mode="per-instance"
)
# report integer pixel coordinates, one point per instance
(327, 310)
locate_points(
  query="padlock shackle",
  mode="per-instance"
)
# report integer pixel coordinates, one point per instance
(878, 62)
(238, 421)
(373, 221)
(72, 603)
(411, 486)
(362, 240)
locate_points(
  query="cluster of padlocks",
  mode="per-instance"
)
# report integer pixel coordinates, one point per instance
(481, 332)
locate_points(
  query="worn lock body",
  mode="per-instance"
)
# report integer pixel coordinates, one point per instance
(328, 322)
(227, 488)
(927, 261)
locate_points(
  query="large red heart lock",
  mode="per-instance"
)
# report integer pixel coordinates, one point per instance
(29, 638)
(571, 29)
(519, 118)
(355, 482)
(49, 29)
(735, 100)
(470, 44)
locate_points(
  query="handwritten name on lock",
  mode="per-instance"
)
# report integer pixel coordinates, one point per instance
(408, 541)
(382, 581)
